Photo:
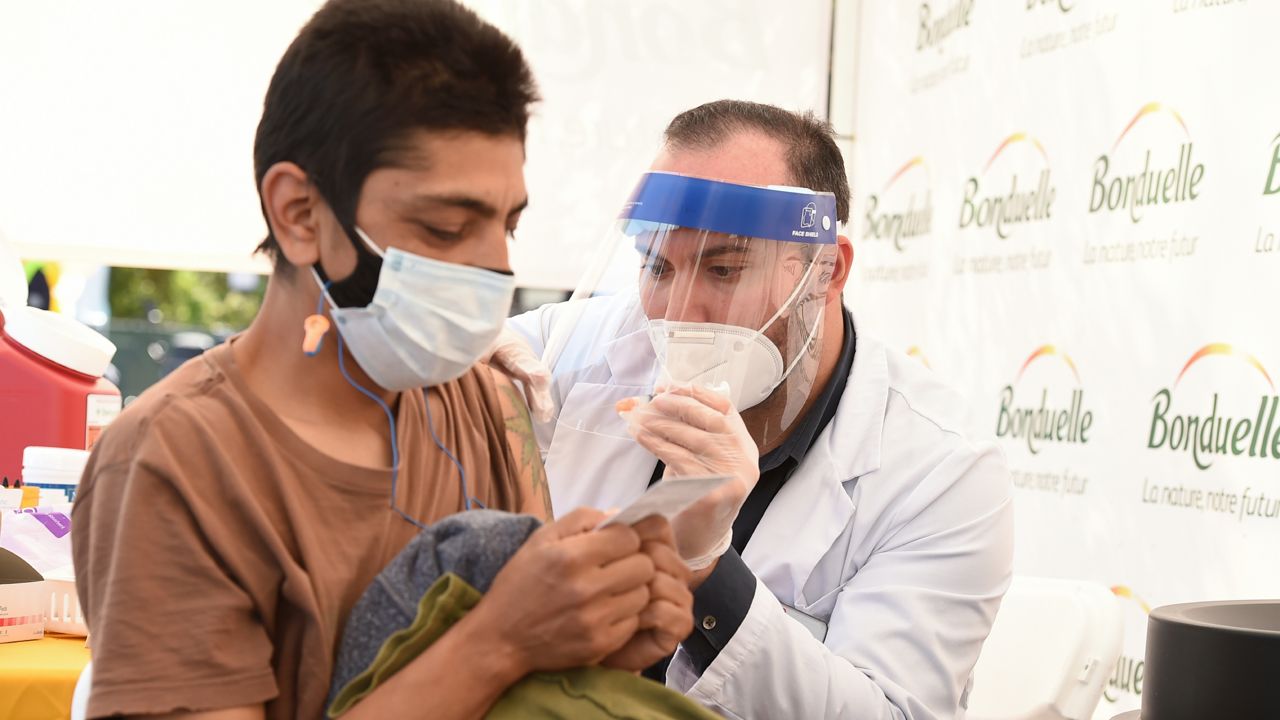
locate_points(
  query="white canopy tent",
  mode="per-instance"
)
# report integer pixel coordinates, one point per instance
(127, 133)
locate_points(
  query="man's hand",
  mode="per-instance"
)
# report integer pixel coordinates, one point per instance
(696, 431)
(569, 597)
(668, 618)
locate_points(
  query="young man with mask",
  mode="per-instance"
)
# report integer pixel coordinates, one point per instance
(864, 569)
(232, 516)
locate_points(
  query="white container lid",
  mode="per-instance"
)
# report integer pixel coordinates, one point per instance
(59, 460)
(61, 339)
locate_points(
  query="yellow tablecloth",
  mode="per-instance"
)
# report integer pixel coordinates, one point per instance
(38, 677)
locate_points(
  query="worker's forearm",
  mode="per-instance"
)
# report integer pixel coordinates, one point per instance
(460, 676)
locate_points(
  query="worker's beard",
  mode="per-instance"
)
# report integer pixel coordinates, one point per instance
(773, 418)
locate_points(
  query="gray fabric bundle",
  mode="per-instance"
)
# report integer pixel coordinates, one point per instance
(473, 545)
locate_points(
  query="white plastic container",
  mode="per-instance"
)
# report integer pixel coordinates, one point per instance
(63, 614)
(10, 499)
(53, 469)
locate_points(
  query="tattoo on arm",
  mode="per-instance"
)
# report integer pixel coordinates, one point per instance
(520, 425)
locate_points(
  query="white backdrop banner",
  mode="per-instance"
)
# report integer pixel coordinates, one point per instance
(1069, 210)
(126, 136)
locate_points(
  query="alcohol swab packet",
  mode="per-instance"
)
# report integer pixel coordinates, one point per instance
(667, 498)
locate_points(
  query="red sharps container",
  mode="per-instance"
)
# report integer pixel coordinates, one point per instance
(52, 393)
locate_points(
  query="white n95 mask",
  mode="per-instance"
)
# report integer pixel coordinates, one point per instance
(738, 361)
(742, 363)
(429, 321)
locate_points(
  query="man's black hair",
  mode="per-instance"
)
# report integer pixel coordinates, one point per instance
(812, 156)
(364, 75)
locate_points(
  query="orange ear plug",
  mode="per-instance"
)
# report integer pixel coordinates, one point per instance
(314, 329)
(625, 404)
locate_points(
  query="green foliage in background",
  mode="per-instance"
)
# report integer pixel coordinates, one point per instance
(185, 297)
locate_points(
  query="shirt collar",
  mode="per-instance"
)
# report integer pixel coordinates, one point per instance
(801, 439)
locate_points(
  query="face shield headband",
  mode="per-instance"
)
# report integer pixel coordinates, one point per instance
(780, 213)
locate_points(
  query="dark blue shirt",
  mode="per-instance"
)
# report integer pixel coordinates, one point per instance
(721, 603)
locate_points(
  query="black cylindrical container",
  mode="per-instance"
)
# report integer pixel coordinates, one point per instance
(1210, 660)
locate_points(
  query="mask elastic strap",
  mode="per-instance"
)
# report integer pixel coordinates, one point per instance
(812, 333)
(352, 232)
(794, 294)
(369, 245)
(373, 247)
(358, 288)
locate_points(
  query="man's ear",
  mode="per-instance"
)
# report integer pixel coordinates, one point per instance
(843, 267)
(292, 204)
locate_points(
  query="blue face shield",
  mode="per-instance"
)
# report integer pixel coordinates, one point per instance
(728, 284)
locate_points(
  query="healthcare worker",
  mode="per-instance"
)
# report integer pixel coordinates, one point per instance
(869, 558)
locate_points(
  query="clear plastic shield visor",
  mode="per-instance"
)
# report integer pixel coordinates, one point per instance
(714, 284)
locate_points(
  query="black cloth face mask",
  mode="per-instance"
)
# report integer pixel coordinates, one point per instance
(356, 289)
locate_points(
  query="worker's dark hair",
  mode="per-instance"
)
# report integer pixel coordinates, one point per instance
(812, 155)
(364, 75)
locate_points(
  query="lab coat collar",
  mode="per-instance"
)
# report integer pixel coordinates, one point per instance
(854, 436)
(813, 508)
(850, 443)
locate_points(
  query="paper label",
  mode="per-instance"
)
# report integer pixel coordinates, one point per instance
(56, 522)
(99, 412)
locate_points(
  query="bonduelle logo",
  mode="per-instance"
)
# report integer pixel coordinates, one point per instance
(915, 352)
(1126, 677)
(1124, 591)
(1273, 174)
(1016, 207)
(1136, 191)
(937, 24)
(1038, 426)
(1207, 436)
(1065, 6)
(902, 223)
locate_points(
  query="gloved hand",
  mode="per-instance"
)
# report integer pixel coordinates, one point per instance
(510, 354)
(696, 432)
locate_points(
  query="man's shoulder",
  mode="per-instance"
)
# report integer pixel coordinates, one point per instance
(912, 392)
(503, 388)
(926, 423)
(929, 452)
(482, 388)
(170, 407)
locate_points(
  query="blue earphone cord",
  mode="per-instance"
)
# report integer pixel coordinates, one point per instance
(468, 501)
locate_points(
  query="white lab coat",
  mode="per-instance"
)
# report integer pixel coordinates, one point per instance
(895, 530)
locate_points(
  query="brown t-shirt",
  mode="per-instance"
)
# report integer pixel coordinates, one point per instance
(218, 554)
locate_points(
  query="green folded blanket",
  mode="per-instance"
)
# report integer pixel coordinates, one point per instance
(583, 693)
(431, 584)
